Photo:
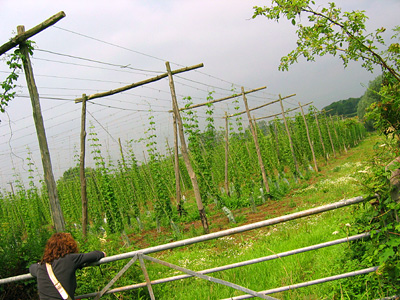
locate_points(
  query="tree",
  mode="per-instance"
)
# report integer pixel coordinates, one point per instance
(329, 31)
(370, 96)
(346, 108)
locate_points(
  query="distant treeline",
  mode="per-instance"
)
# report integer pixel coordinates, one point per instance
(346, 108)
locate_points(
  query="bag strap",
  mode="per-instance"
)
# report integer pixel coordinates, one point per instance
(56, 283)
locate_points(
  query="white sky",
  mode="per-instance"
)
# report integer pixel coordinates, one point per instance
(235, 49)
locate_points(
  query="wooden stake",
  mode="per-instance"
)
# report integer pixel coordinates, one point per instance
(56, 212)
(136, 84)
(320, 136)
(254, 133)
(309, 139)
(23, 36)
(335, 131)
(82, 169)
(176, 167)
(261, 106)
(289, 136)
(330, 136)
(226, 154)
(276, 141)
(218, 100)
(185, 154)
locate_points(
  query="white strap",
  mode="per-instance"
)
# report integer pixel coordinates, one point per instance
(56, 283)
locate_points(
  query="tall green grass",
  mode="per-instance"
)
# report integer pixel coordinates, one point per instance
(337, 181)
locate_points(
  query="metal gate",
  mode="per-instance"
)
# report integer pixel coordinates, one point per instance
(142, 256)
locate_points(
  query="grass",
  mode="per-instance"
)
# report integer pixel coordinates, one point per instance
(336, 180)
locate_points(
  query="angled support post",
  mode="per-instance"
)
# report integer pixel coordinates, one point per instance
(116, 277)
(146, 276)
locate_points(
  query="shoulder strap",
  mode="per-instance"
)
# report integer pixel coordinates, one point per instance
(56, 283)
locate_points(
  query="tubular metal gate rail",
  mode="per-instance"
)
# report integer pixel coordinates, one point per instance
(141, 255)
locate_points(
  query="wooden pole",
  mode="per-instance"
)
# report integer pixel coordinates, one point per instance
(185, 154)
(341, 134)
(122, 154)
(289, 136)
(309, 139)
(289, 110)
(330, 136)
(176, 167)
(136, 84)
(219, 100)
(56, 212)
(82, 170)
(320, 136)
(277, 141)
(254, 133)
(261, 106)
(23, 36)
(335, 131)
(226, 154)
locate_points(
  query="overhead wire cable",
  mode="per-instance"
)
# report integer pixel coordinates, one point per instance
(99, 62)
(87, 66)
(141, 53)
(108, 43)
(120, 108)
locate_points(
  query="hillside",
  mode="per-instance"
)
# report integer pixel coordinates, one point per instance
(346, 108)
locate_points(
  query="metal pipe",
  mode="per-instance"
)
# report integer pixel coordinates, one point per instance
(235, 265)
(215, 235)
(209, 278)
(231, 231)
(308, 283)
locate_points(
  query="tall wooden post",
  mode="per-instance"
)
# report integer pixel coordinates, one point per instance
(335, 131)
(185, 153)
(254, 133)
(341, 134)
(56, 212)
(289, 136)
(320, 136)
(176, 167)
(330, 136)
(276, 139)
(309, 139)
(226, 154)
(82, 169)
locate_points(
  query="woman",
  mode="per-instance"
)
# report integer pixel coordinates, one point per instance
(61, 253)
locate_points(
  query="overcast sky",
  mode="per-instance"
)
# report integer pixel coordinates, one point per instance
(235, 49)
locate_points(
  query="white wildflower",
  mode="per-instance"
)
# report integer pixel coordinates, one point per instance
(335, 232)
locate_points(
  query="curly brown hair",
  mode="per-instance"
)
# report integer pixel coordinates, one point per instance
(59, 245)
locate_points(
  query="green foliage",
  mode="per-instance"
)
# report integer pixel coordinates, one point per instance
(331, 31)
(379, 218)
(8, 85)
(126, 196)
(370, 96)
(346, 108)
(386, 113)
